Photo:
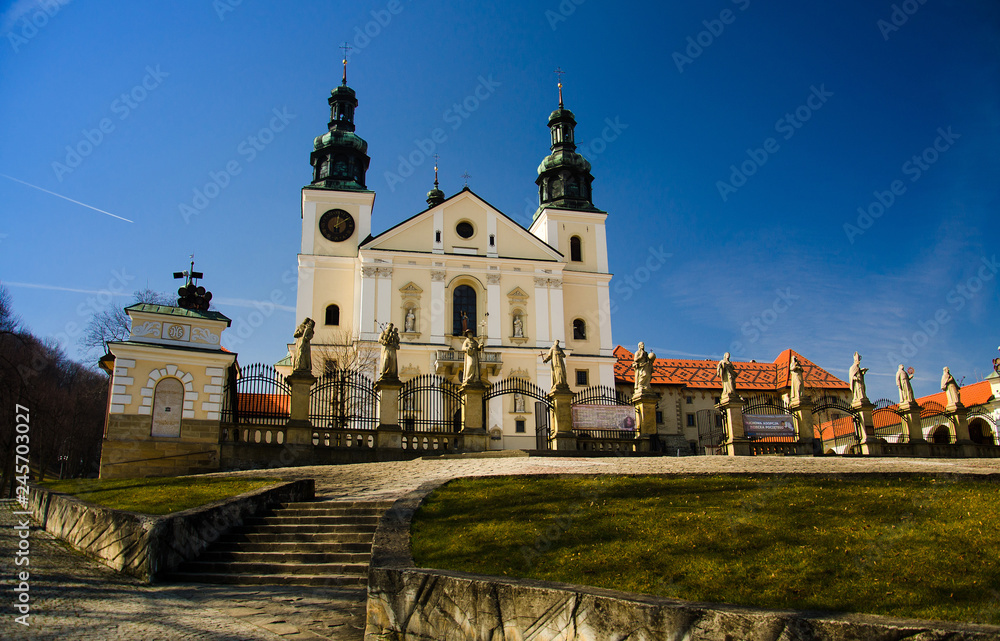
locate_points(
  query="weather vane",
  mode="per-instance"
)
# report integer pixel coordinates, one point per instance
(346, 47)
(435, 171)
(466, 177)
(560, 73)
(191, 295)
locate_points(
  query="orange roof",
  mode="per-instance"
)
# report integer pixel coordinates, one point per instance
(268, 403)
(843, 426)
(752, 376)
(971, 395)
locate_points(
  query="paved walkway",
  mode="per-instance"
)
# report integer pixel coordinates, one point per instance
(73, 598)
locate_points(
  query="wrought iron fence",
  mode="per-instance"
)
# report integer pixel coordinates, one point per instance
(601, 395)
(711, 430)
(256, 394)
(429, 403)
(842, 433)
(935, 424)
(888, 419)
(344, 399)
(764, 405)
(982, 426)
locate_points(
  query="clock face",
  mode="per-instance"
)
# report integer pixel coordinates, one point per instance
(336, 225)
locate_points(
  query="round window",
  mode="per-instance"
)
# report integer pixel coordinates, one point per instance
(465, 229)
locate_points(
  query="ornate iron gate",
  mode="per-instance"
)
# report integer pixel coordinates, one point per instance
(429, 403)
(344, 399)
(984, 433)
(842, 434)
(259, 395)
(888, 419)
(526, 389)
(711, 430)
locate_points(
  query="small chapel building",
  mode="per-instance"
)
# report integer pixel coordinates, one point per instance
(459, 264)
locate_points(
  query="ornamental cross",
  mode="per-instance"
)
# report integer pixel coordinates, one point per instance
(560, 73)
(346, 47)
(466, 176)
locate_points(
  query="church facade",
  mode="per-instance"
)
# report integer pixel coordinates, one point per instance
(458, 265)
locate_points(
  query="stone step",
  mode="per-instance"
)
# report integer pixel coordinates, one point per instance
(303, 528)
(273, 556)
(284, 519)
(337, 505)
(299, 537)
(293, 547)
(237, 567)
(271, 579)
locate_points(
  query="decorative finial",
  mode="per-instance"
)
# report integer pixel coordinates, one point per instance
(192, 296)
(435, 171)
(466, 177)
(346, 47)
(559, 72)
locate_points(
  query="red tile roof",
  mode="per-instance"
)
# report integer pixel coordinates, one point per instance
(250, 403)
(752, 376)
(974, 394)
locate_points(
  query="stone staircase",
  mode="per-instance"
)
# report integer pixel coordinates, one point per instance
(322, 543)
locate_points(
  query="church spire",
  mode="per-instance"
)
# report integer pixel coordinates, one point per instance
(340, 157)
(564, 177)
(435, 196)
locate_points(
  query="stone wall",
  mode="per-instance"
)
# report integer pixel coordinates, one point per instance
(405, 602)
(130, 451)
(149, 546)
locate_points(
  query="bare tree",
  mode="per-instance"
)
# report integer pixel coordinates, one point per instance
(113, 324)
(346, 352)
(9, 322)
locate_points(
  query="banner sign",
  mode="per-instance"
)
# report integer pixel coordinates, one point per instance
(603, 417)
(768, 425)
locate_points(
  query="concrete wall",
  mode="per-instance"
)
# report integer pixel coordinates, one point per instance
(129, 450)
(405, 602)
(149, 546)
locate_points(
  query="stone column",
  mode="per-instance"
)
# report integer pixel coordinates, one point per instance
(736, 443)
(474, 438)
(562, 411)
(959, 418)
(802, 417)
(390, 435)
(299, 429)
(645, 411)
(871, 445)
(910, 415)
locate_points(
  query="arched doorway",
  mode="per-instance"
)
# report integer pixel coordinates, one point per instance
(941, 435)
(980, 432)
(168, 407)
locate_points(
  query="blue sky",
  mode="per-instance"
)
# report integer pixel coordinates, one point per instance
(731, 142)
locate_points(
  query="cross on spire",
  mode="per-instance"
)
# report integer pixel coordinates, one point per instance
(466, 176)
(346, 47)
(435, 171)
(560, 73)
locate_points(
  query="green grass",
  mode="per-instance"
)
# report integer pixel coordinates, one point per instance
(911, 547)
(157, 495)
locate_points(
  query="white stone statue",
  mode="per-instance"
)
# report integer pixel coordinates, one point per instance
(857, 379)
(557, 357)
(518, 402)
(302, 360)
(796, 381)
(472, 349)
(389, 339)
(727, 373)
(410, 323)
(518, 327)
(903, 383)
(950, 388)
(642, 365)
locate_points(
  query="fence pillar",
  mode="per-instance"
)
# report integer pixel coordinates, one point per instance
(474, 437)
(736, 443)
(958, 416)
(299, 428)
(871, 445)
(389, 435)
(802, 417)
(563, 437)
(645, 411)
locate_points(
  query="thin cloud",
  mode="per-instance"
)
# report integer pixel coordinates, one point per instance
(63, 289)
(65, 198)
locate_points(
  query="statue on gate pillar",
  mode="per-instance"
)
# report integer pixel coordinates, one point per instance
(389, 339)
(950, 389)
(857, 376)
(796, 381)
(302, 362)
(903, 378)
(472, 348)
(557, 357)
(727, 373)
(642, 364)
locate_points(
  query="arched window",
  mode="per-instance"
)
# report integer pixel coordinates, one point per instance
(168, 407)
(464, 307)
(575, 249)
(332, 315)
(579, 330)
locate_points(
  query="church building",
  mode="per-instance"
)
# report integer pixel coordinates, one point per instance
(459, 264)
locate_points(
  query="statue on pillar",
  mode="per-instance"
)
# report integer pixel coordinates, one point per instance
(727, 373)
(950, 388)
(472, 348)
(388, 365)
(302, 359)
(796, 380)
(642, 364)
(857, 377)
(558, 358)
(903, 378)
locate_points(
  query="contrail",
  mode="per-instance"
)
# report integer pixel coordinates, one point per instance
(61, 289)
(65, 198)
